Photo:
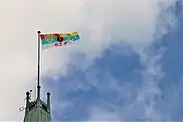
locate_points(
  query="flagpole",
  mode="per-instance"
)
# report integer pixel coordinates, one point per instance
(38, 61)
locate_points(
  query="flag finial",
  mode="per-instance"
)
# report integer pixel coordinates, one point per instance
(38, 32)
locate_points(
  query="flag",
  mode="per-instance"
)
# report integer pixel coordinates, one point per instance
(58, 39)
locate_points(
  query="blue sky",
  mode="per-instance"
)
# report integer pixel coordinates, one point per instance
(126, 66)
(118, 86)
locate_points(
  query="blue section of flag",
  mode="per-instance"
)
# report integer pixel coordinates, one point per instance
(49, 40)
(73, 38)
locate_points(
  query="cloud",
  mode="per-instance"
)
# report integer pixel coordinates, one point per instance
(100, 23)
(149, 91)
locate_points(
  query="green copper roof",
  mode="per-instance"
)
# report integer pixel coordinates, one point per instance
(37, 111)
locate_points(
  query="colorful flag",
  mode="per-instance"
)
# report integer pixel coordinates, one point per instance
(58, 39)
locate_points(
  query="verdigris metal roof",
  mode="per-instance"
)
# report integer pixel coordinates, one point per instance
(37, 111)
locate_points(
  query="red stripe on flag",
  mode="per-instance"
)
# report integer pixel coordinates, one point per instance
(42, 36)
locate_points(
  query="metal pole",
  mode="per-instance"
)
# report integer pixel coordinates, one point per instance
(38, 79)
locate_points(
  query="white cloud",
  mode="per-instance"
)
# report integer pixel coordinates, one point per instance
(100, 23)
(149, 91)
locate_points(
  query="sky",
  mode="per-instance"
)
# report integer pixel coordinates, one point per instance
(127, 65)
